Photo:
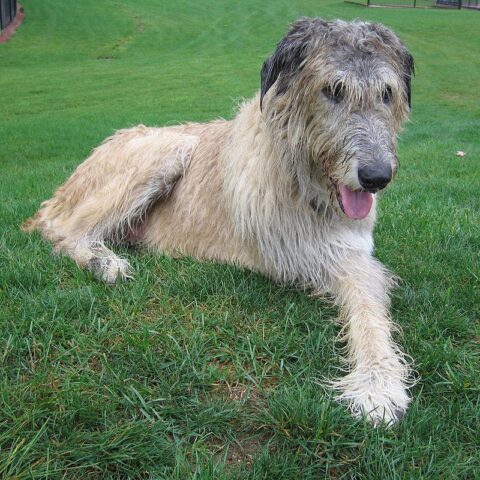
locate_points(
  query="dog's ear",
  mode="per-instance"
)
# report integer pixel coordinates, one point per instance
(289, 56)
(408, 72)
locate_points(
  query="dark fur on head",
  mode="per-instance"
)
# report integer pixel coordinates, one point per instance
(291, 52)
(407, 77)
(407, 60)
(289, 55)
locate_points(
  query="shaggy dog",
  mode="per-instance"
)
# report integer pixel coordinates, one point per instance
(286, 188)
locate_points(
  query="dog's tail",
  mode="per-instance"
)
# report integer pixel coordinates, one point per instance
(37, 221)
(31, 224)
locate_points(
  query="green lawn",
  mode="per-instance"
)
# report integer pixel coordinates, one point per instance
(196, 370)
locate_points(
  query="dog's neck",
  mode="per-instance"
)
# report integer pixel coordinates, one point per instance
(273, 166)
(264, 197)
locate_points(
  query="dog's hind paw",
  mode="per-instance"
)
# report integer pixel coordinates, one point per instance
(110, 268)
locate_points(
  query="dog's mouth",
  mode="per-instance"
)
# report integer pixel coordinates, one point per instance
(355, 204)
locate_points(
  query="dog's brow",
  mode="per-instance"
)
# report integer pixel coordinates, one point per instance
(359, 85)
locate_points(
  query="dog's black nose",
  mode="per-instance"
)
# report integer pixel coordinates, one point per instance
(375, 177)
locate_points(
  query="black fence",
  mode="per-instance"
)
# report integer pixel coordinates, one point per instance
(457, 4)
(470, 4)
(8, 10)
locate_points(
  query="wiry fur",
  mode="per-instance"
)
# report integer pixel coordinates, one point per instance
(262, 190)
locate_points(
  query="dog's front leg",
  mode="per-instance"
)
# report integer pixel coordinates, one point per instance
(377, 383)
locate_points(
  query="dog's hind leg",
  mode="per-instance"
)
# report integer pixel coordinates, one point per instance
(110, 194)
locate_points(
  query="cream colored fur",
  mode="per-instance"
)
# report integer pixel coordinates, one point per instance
(234, 191)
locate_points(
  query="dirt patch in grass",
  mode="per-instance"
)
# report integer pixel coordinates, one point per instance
(242, 451)
(238, 392)
(247, 445)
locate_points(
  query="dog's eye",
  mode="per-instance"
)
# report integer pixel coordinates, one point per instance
(335, 93)
(387, 95)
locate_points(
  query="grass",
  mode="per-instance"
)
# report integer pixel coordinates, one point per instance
(203, 371)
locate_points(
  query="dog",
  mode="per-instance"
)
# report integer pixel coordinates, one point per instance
(286, 188)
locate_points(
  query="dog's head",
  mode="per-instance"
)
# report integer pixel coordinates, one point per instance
(335, 95)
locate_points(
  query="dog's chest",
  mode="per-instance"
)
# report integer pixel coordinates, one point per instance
(303, 245)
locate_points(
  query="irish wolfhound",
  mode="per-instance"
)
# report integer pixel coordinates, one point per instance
(286, 188)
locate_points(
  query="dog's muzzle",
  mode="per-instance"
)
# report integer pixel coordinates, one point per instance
(356, 204)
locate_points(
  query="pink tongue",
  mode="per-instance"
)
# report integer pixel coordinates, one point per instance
(356, 205)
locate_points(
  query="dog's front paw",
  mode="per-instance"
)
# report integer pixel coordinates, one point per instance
(381, 397)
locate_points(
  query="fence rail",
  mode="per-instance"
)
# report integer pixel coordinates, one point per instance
(8, 10)
(457, 4)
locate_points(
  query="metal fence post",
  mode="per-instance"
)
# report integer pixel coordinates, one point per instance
(8, 11)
